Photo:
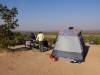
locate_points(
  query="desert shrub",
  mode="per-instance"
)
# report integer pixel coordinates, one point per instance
(51, 38)
(10, 22)
(20, 37)
(92, 38)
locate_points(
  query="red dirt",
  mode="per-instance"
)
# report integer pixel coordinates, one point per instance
(38, 63)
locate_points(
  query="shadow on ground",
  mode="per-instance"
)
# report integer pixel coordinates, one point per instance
(27, 49)
(20, 49)
(85, 52)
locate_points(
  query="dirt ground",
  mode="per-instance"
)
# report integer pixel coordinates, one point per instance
(33, 62)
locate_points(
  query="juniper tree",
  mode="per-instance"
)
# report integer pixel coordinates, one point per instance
(9, 23)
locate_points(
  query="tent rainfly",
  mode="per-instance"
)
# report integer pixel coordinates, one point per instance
(69, 45)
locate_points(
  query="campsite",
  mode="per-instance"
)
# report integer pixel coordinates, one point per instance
(49, 37)
(29, 62)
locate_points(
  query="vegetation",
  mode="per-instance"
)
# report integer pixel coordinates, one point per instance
(92, 37)
(9, 23)
(52, 36)
(88, 37)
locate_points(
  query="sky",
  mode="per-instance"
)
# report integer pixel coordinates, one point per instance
(52, 15)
